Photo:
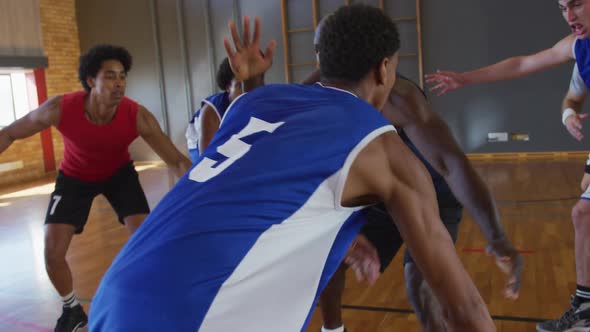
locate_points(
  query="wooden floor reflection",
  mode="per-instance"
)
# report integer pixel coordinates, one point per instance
(534, 198)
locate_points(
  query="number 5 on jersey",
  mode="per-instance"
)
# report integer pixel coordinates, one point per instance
(233, 149)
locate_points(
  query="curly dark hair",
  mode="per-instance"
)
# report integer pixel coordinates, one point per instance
(91, 62)
(353, 40)
(224, 75)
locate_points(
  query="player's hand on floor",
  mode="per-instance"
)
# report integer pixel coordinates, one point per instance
(511, 263)
(362, 257)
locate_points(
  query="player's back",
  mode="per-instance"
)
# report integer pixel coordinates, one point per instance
(246, 238)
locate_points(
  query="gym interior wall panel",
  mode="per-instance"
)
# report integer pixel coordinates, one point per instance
(303, 17)
(328, 6)
(177, 105)
(197, 43)
(302, 55)
(220, 13)
(270, 15)
(461, 35)
(408, 66)
(456, 35)
(400, 8)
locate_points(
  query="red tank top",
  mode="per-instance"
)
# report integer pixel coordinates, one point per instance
(92, 152)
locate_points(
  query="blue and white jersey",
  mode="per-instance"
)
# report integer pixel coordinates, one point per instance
(580, 81)
(248, 238)
(582, 54)
(219, 103)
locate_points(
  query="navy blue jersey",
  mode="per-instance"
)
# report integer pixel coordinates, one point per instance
(248, 238)
(445, 196)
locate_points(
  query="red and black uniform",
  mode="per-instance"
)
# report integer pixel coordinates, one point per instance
(96, 161)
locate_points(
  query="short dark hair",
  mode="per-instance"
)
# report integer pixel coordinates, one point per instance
(224, 75)
(91, 62)
(355, 39)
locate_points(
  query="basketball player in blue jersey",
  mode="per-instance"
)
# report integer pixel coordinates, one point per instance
(435, 146)
(249, 237)
(574, 47)
(206, 120)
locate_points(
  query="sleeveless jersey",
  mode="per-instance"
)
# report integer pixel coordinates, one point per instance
(445, 196)
(248, 238)
(219, 103)
(92, 152)
(582, 55)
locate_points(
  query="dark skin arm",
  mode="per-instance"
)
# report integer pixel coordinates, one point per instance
(408, 108)
(45, 116)
(210, 121)
(149, 129)
(386, 170)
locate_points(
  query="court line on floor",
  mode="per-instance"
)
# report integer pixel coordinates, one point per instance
(558, 216)
(27, 295)
(20, 323)
(482, 250)
(408, 311)
(542, 200)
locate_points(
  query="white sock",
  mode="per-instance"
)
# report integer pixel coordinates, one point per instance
(70, 300)
(339, 329)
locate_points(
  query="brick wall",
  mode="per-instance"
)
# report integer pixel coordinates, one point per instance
(62, 47)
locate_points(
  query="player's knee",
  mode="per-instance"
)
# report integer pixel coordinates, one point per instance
(581, 217)
(53, 254)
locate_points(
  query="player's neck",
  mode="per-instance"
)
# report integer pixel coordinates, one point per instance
(361, 90)
(342, 86)
(98, 112)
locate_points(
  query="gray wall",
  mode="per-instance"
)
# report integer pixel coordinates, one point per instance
(465, 34)
(178, 44)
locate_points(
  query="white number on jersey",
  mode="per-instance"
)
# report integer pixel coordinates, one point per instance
(233, 149)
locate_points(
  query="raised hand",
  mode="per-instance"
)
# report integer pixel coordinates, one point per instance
(248, 61)
(445, 81)
(511, 263)
(362, 258)
(573, 123)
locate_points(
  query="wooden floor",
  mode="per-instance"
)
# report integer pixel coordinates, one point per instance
(534, 198)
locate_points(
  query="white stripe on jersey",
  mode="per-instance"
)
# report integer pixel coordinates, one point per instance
(213, 107)
(577, 84)
(574, 48)
(275, 284)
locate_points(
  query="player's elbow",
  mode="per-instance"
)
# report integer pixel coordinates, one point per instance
(5, 135)
(452, 163)
(526, 65)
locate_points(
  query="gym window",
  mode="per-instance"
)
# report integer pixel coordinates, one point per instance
(15, 101)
